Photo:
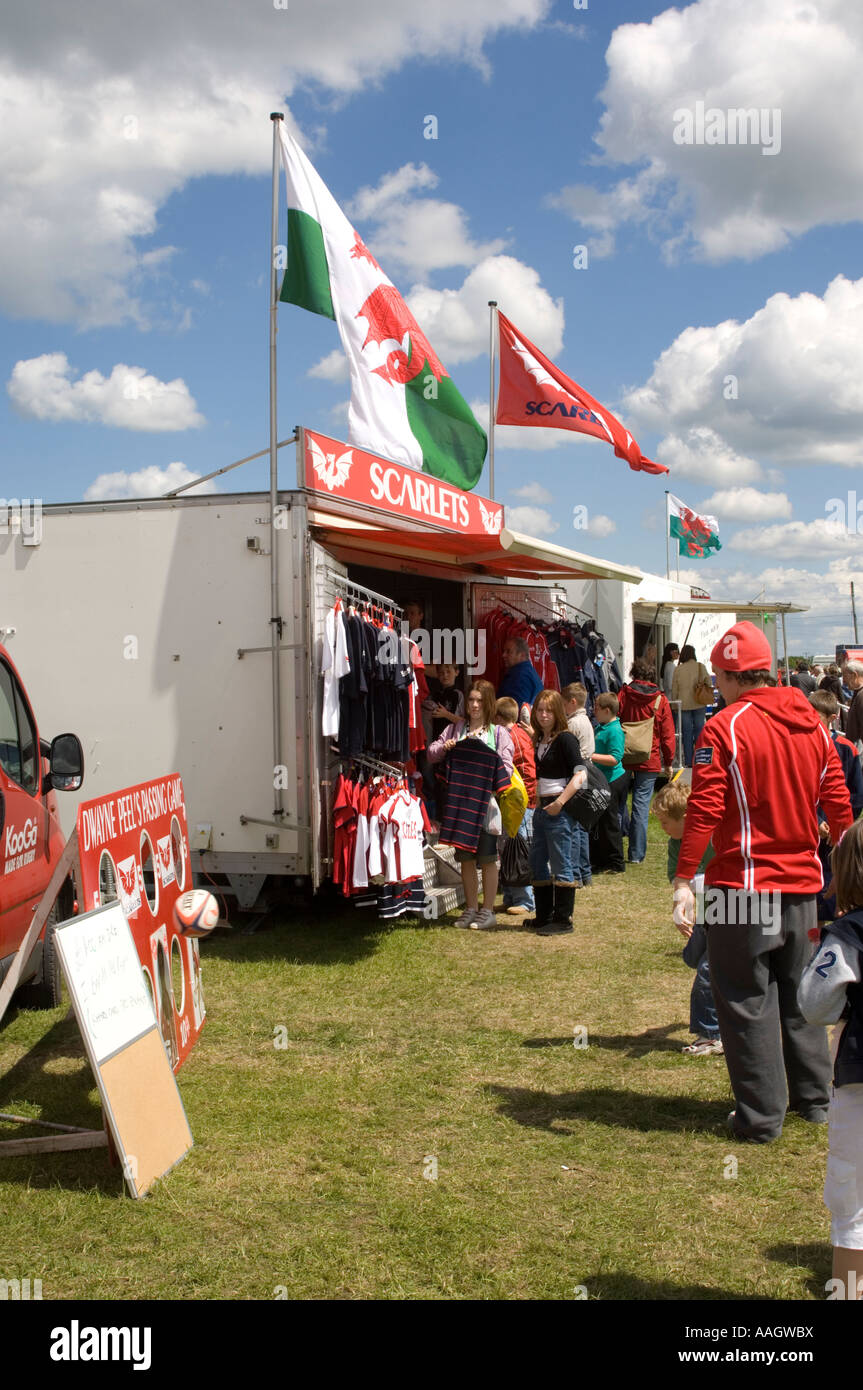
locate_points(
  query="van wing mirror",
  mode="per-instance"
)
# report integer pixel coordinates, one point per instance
(67, 763)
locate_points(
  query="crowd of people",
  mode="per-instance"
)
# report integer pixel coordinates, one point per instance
(765, 858)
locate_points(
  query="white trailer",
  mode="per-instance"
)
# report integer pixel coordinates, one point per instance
(659, 610)
(145, 627)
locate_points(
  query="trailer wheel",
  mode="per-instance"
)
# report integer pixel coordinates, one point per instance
(47, 991)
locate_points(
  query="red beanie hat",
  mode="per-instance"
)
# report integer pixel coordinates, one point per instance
(742, 648)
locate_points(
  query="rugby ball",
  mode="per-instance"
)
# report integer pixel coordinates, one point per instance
(196, 912)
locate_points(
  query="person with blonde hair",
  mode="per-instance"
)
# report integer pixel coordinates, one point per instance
(560, 773)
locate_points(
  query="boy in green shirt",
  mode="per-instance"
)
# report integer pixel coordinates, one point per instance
(608, 755)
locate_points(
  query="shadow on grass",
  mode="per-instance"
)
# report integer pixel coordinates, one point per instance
(311, 934)
(621, 1287)
(633, 1044)
(817, 1259)
(620, 1109)
(63, 1097)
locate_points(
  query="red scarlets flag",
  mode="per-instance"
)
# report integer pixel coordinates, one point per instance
(533, 391)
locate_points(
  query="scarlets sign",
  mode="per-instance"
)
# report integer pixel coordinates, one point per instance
(134, 846)
(341, 470)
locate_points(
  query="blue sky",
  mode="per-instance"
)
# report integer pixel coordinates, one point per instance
(134, 234)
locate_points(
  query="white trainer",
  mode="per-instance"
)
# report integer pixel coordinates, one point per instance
(468, 917)
(485, 919)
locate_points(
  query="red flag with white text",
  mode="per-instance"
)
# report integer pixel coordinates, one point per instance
(533, 391)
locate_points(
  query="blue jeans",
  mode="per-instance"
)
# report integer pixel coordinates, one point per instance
(581, 853)
(521, 897)
(702, 1010)
(551, 852)
(693, 723)
(642, 792)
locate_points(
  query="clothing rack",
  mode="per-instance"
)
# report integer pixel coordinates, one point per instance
(361, 591)
(375, 765)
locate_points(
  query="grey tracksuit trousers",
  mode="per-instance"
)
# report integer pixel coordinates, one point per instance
(754, 971)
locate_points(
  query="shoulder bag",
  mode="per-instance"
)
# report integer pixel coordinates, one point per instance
(638, 737)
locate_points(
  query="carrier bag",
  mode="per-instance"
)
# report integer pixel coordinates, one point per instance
(513, 803)
(515, 863)
(638, 738)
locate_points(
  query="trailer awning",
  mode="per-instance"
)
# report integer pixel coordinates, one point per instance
(707, 605)
(509, 554)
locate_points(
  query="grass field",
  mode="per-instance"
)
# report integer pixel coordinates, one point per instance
(414, 1049)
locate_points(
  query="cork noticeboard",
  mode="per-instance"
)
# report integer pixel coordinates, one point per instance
(115, 1013)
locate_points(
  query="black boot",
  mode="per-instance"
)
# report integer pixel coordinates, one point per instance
(543, 897)
(561, 921)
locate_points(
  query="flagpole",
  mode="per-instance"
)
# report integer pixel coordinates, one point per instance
(275, 618)
(492, 305)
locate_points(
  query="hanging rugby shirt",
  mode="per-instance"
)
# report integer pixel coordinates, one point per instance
(334, 665)
(475, 770)
(404, 818)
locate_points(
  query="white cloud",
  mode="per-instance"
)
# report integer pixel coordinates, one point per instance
(147, 482)
(333, 367)
(702, 454)
(531, 521)
(819, 537)
(824, 594)
(414, 235)
(601, 525)
(724, 201)
(533, 492)
(784, 385)
(133, 102)
(456, 321)
(42, 388)
(746, 504)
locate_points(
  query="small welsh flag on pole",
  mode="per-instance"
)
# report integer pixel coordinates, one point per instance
(696, 534)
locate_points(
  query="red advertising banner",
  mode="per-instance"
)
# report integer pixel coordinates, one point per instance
(341, 470)
(134, 845)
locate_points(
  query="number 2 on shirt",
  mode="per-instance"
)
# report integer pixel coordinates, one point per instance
(829, 959)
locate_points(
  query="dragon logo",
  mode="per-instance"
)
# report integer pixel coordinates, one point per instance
(333, 472)
(130, 893)
(491, 520)
(391, 321)
(696, 533)
(534, 368)
(360, 252)
(165, 860)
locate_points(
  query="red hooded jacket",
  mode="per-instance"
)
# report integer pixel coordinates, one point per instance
(760, 768)
(636, 702)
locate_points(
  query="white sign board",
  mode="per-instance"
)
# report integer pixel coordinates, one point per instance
(101, 964)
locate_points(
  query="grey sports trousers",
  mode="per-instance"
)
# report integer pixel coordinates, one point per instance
(755, 969)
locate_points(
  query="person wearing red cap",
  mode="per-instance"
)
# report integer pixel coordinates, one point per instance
(760, 768)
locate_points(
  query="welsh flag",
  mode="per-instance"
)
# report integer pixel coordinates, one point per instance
(533, 391)
(696, 535)
(403, 401)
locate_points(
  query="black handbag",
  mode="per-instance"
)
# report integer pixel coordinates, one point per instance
(591, 801)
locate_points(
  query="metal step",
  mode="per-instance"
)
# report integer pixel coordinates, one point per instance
(439, 901)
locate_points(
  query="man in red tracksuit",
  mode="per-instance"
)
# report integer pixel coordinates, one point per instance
(760, 768)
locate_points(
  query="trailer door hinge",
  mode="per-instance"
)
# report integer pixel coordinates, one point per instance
(280, 625)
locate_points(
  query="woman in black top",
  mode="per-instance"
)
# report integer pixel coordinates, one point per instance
(560, 772)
